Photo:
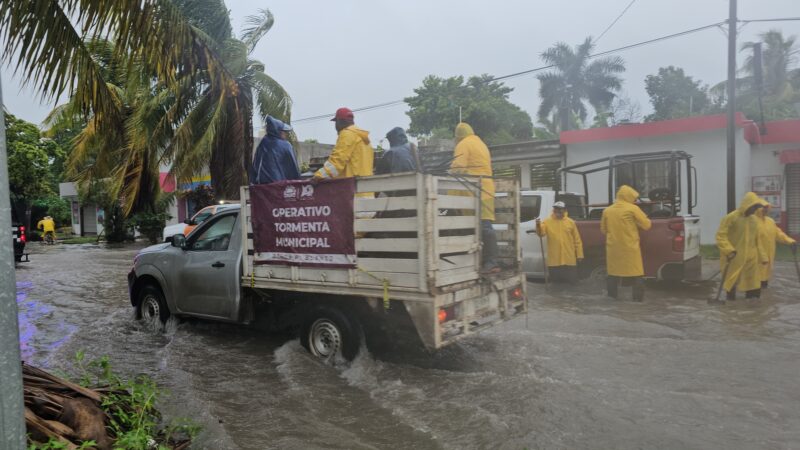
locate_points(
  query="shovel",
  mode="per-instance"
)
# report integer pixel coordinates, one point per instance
(716, 300)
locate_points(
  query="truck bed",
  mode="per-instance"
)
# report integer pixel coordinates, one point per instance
(417, 241)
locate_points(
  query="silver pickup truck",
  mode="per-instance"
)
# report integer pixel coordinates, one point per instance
(435, 289)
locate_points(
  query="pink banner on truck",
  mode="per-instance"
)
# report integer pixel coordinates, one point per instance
(302, 223)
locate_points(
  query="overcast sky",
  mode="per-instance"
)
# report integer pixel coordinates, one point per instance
(357, 53)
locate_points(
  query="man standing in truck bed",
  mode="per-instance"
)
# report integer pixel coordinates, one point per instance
(471, 156)
(352, 156)
(621, 223)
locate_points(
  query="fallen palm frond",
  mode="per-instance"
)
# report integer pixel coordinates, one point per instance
(62, 414)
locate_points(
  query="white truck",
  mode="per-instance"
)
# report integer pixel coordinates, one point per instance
(418, 267)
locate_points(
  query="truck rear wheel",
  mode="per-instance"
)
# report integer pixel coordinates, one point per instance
(327, 332)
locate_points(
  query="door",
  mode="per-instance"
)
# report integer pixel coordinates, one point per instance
(530, 208)
(208, 282)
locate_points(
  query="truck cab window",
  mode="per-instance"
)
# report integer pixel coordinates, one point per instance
(530, 207)
(216, 236)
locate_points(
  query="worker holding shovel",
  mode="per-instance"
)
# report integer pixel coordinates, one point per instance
(741, 256)
(564, 246)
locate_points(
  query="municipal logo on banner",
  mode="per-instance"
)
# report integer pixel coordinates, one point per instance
(298, 223)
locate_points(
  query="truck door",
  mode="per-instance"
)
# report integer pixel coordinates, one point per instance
(208, 282)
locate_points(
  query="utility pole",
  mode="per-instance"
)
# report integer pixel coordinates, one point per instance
(731, 129)
(12, 418)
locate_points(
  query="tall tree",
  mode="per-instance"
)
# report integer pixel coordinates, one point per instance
(42, 41)
(674, 94)
(434, 110)
(780, 91)
(191, 125)
(31, 162)
(779, 56)
(576, 81)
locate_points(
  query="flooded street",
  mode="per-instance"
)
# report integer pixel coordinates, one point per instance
(587, 372)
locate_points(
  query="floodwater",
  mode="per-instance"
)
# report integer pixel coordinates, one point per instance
(586, 372)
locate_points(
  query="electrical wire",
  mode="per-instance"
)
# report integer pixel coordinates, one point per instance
(615, 21)
(779, 19)
(526, 72)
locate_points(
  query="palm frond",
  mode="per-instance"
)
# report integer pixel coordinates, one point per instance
(256, 26)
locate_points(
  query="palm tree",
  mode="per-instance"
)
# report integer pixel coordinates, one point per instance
(200, 103)
(575, 81)
(778, 58)
(780, 90)
(217, 133)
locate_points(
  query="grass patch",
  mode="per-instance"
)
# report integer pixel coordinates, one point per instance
(80, 240)
(782, 253)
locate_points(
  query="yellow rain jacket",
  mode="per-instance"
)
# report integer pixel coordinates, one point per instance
(739, 233)
(471, 157)
(48, 225)
(768, 235)
(352, 156)
(621, 223)
(564, 246)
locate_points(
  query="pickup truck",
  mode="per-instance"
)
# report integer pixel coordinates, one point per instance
(670, 249)
(418, 269)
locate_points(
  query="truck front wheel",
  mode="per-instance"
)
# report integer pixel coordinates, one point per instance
(327, 332)
(152, 308)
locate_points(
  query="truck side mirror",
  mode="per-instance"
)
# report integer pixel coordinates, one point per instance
(179, 241)
(189, 222)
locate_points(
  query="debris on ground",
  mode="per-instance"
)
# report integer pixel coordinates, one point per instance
(63, 414)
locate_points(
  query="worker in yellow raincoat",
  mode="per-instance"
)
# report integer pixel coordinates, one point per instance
(739, 249)
(48, 226)
(352, 156)
(564, 246)
(621, 223)
(769, 235)
(471, 157)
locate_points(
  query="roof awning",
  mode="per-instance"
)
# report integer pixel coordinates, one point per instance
(790, 156)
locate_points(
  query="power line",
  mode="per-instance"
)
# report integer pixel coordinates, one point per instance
(778, 19)
(529, 71)
(615, 21)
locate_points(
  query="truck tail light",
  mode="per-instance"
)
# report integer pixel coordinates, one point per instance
(22, 237)
(447, 314)
(678, 242)
(516, 293)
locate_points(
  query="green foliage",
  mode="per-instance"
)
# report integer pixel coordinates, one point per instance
(780, 92)
(34, 163)
(53, 206)
(674, 94)
(150, 224)
(130, 405)
(201, 196)
(434, 110)
(575, 80)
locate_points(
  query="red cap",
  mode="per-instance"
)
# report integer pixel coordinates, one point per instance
(343, 114)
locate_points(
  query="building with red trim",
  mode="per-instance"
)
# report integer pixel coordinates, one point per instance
(767, 161)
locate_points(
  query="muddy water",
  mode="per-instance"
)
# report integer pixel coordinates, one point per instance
(587, 372)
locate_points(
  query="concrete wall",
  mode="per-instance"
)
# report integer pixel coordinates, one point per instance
(708, 149)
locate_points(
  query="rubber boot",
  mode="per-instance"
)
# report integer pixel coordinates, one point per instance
(612, 287)
(638, 290)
